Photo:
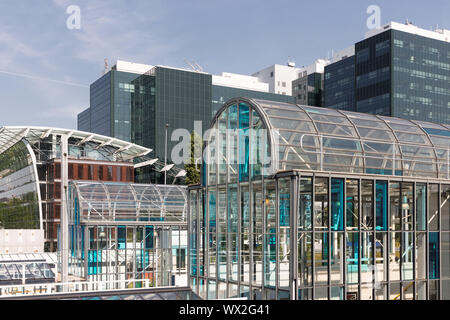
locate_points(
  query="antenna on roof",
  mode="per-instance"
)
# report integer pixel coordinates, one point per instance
(105, 71)
(194, 66)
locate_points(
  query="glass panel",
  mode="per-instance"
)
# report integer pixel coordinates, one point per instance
(381, 205)
(445, 207)
(245, 234)
(367, 258)
(337, 258)
(433, 213)
(352, 204)
(352, 246)
(321, 258)
(232, 143)
(421, 290)
(367, 205)
(222, 234)
(337, 293)
(394, 200)
(394, 255)
(244, 124)
(421, 255)
(321, 204)
(305, 204)
(421, 206)
(433, 254)
(337, 204)
(445, 255)
(257, 233)
(408, 290)
(445, 289)
(222, 291)
(394, 291)
(270, 233)
(407, 206)
(222, 148)
(381, 292)
(304, 294)
(284, 231)
(434, 290)
(211, 290)
(407, 256)
(321, 293)
(381, 256)
(304, 259)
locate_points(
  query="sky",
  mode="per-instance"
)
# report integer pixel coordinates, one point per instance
(46, 68)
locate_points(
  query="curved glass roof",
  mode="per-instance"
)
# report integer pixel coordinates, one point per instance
(321, 139)
(98, 202)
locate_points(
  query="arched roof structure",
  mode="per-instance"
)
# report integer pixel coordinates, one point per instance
(321, 139)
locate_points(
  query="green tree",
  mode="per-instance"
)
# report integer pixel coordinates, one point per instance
(193, 167)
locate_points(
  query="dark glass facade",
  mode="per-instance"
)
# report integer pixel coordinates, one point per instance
(308, 90)
(84, 120)
(396, 74)
(100, 99)
(421, 78)
(339, 85)
(373, 75)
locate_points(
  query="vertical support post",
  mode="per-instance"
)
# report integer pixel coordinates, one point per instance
(64, 226)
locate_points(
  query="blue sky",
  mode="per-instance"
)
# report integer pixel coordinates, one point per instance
(46, 69)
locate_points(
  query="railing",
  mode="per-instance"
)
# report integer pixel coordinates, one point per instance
(70, 287)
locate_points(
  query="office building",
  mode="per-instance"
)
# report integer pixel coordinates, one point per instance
(279, 77)
(400, 70)
(136, 102)
(308, 88)
(320, 204)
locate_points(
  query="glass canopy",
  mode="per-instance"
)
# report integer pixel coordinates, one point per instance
(319, 139)
(96, 202)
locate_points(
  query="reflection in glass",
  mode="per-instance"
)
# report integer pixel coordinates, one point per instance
(284, 192)
(257, 236)
(445, 207)
(321, 203)
(433, 254)
(421, 255)
(337, 204)
(304, 259)
(222, 234)
(381, 256)
(433, 210)
(381, 205)
(351, 252)
(321, 258)
(352, 204)
(394, 255)
(367, 205)
(395, 206)
(337, 258)
(305, 204)
(421, 206)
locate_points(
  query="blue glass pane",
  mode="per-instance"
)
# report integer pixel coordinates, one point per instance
(337, 204)
(149, 237)
(212, 211)
(244, 124)
(285, 202)
(434, 255)
(121, 237)
(381, 205)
